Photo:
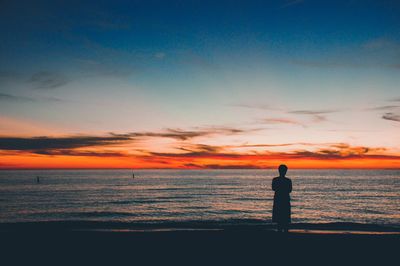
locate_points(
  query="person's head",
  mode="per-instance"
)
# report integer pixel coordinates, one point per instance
(282, 169)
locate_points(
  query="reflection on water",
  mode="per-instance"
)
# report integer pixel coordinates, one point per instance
(170, 195)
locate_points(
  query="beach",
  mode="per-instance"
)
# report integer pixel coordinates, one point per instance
(196, 217)
(82, 243)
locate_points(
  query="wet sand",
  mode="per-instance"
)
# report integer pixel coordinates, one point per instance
(56, 243)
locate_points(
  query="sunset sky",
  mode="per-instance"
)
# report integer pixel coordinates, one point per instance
(200, 84)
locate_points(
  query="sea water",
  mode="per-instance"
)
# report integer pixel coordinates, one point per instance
(237, 196)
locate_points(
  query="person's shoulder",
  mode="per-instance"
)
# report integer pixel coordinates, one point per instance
(275, 178)
(288, 179)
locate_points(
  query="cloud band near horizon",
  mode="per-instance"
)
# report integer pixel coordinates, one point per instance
(184, 152)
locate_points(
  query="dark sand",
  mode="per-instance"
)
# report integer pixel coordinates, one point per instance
(78, 243)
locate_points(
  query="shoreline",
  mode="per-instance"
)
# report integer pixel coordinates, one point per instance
(62, 243)
(164, 226)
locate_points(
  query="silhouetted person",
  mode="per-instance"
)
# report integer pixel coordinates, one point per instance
(37, 180)
(281, 211)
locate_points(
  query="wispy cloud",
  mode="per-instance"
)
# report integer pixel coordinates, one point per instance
(336, 151)
(391, 117)
(25, 99)
(396, 99)
(300, 112)
(313, 112)
(282, 121)
(317, 115)
(277, 145)
(381, 43)
(177, 134)
(106, 64)
(324, 64)
(159, 55)
(254, 106)
(380, 52)
(180, 134)
(342, 151)
(225, 130)
(48, 80)
(15, 98)
(334, 63)
(197, 154)
(201, 148)
(383, 108)
(41, 80)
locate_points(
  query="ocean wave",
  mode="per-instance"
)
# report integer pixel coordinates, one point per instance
(127, 202)
(366, 196)
(89, 214)
(252, 199)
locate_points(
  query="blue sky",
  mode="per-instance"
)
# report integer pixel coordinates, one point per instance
(300, 70)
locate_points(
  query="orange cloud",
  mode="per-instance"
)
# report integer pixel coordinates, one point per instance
(118, 151)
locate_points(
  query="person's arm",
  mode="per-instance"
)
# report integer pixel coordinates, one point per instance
(273, 185)
(290, 186)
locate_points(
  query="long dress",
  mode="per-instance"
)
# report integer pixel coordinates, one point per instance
(281, 212)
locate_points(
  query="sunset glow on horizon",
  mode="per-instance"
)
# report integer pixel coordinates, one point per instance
(200, 85)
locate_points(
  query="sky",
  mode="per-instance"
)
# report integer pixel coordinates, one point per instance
(199, 84)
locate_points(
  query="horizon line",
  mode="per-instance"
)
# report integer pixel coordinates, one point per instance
(203, 169)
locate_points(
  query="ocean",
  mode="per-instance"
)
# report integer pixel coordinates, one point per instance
(226, 196)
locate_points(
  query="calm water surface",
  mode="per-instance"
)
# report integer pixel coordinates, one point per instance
(365, 196)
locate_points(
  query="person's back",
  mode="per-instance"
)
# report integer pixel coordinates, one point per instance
(281, 213)
(282, 186)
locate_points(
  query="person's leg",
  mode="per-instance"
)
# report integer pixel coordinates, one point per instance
(285, 228)
(279, 228)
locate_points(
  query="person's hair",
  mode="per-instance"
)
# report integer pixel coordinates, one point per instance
(282, 169)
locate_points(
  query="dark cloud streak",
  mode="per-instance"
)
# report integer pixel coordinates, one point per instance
(282, 121)
(68, 145)
(24, 99)
(333, 151)
(384, 107)
(49, 143)
(48, 80)
(15, 98)
(183, 135)
(395, 99)
(255, 106)
(391, 117)
(63, 152)
(313, 112)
